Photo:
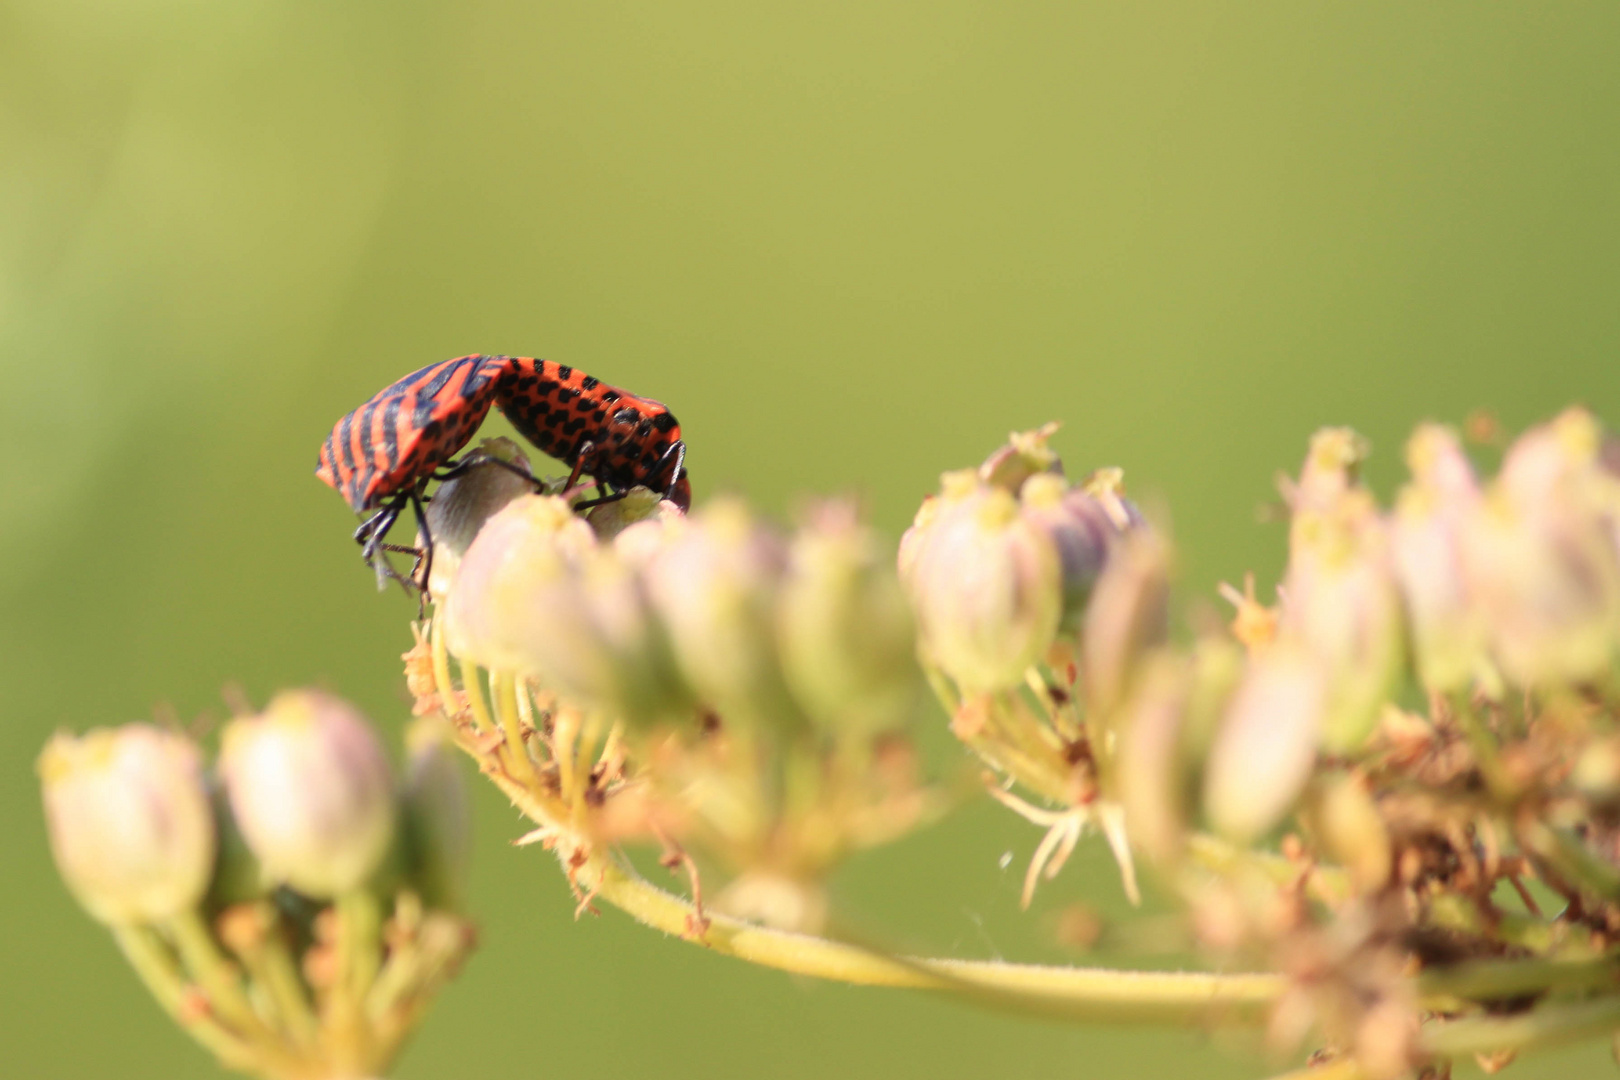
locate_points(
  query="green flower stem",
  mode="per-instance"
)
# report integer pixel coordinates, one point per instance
(1083, 994)
(155, 965)
(1567, 855)
(1486, 980)
(1545, 1026)
(412, 977)
(503, 688)
(280, 977)
(272, 971)
(475, 697)
(219, 979)
(348, 1035)
(1485, 746)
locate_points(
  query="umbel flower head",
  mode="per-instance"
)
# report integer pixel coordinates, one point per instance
(268, 974)
(129, 821)
(705, 679)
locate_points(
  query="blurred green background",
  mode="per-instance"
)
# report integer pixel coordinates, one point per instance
(851, 244)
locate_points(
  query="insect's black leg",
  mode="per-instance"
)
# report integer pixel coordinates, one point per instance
(677, 449)
(371, 534)
(425, 555)
(586, 451)
(453, 469)
(371, 531)
(369, 526)
(611, 497)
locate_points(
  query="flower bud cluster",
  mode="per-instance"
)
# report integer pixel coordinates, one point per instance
(302, 839)
(1022, 579)
(1001, 565)
(1499, 597)
(702, 679)
(649, 616)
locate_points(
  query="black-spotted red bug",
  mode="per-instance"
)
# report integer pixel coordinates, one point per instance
(381, 456)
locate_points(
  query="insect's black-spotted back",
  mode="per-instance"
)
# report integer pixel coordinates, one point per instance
(561, 410)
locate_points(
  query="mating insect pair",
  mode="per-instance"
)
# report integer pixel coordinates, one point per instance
(381, 456)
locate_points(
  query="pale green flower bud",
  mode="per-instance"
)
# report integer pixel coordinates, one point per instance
(1265, 749)
(1426, 538)
(1342, 604)
(1024, 455)
(1128, 617)
(987, 588)
(1542, 557)
(1346, 823)
(129, 821)
(1151, 769)
(1173, 712)
(638, 505)
(461, 505)
(714, 584)
(438, 814)
(536, 595)
(1332, 468)
(311, 789)
(1085, 528)
(847, 641)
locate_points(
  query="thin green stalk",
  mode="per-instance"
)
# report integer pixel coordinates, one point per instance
(1092, 995)
(504, 689)
(218, 977)
(344, 1026)
(1485, 980)
(1571, 859)
(1548, 1025)
(163, 979)
(475, 698)
(280, 977)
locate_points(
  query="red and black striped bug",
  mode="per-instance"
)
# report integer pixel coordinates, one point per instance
(381, 456)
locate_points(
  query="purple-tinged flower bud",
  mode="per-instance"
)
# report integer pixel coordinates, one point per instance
(311, 789)
(986, 585)
(1024, 455)
(847, 640)
(714, 584)
(462, 504)
(1084, 526)
(1341, 603)
(1426, 538)
(438, 814)
(129, 821)
(1128, 617)
(536, 595)
(1265, 749)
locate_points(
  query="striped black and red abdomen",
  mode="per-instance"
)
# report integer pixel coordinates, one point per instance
(560, 409)
(409, 429)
